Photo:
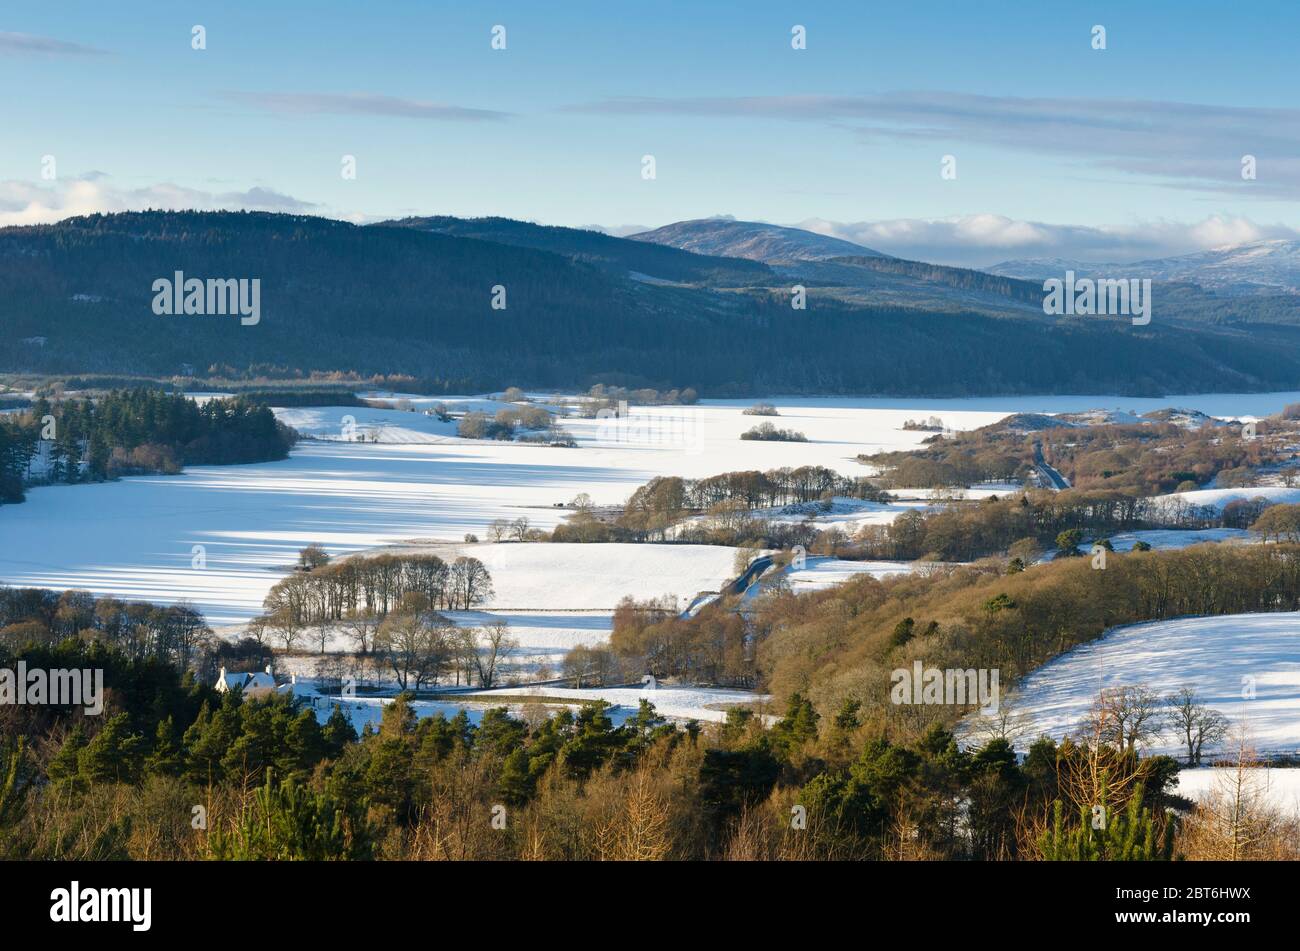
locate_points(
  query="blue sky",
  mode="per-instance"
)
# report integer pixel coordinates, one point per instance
(1060, 149)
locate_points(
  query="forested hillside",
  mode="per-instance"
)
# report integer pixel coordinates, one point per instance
(76, 298)
(131, 432)
(654, 260)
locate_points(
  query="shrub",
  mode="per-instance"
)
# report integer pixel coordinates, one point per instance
(769, 433)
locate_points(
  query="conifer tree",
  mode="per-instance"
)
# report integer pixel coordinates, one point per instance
(1103, 834)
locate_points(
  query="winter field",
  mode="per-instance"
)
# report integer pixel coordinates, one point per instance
(818, 572)
(680, 703)
(1246, 666)
(555, 597)
(1278, 787)
(137, 538)
(367, 479)
(1217, 498)
(705, 704)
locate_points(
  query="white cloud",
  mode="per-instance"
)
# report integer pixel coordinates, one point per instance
(616, 231)
(26, 44)
(969, 241)
(986, 239)
(1191, 146)
(360, 104)
(30, 203)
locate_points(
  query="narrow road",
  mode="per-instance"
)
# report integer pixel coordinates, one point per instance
(1048, 474)
(757, 567)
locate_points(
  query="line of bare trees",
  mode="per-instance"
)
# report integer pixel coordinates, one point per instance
(174, 633)
(359, 592)
(664, 500)
(1125, 717)
(422, 646)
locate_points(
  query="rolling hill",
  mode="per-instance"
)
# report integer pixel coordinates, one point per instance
(1260, 267)
(755, 240)
(415, 298)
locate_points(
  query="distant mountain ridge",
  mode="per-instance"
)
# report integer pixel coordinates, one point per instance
(419, 297)
(755, 240)
(655, 260)
(1259, 267)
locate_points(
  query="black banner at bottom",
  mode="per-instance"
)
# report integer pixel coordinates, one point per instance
(294, 901)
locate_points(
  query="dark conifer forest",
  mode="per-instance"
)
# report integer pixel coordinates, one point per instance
(579, 308)
(128, 432)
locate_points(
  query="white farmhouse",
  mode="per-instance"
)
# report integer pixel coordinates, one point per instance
(256, 685)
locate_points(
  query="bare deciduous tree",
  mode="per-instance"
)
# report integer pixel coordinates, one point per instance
(487, 648)
(286, 626)
(468, 583)
(1124, 717)
(1196, 724)
(360, 627)
(417, 645)
(1234, 820)
(259, 629)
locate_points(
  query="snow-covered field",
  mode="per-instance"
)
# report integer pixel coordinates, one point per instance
(706, 704)
(1218, 498)
(220, 536)
(678, 703)
(846, 514)
(543, 637)
(354, 423)
(363, 710)
(555, 597)
(1246, 666)
(137, 538)
(819, 572)
(1161, 538)
(1279, 787)
(529, 576)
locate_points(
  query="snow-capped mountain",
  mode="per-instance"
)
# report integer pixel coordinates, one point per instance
(1260, 267)
(756, 240)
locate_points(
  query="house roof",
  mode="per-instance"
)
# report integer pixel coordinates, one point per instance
(245, 681)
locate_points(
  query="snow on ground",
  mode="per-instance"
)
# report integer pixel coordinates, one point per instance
(1215, 655)
(819, 572)
(1163, 538)
(136, 538)
(981, 490)
(706, 704)
(559, 596)
(355, 423)
(363, 710)
(544, 638)
(1218, 498)
(846, 514)
(1222, 405)
(678, 703)
(555, 597)
(1279, 787)
(566, 576)
(454, 404)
